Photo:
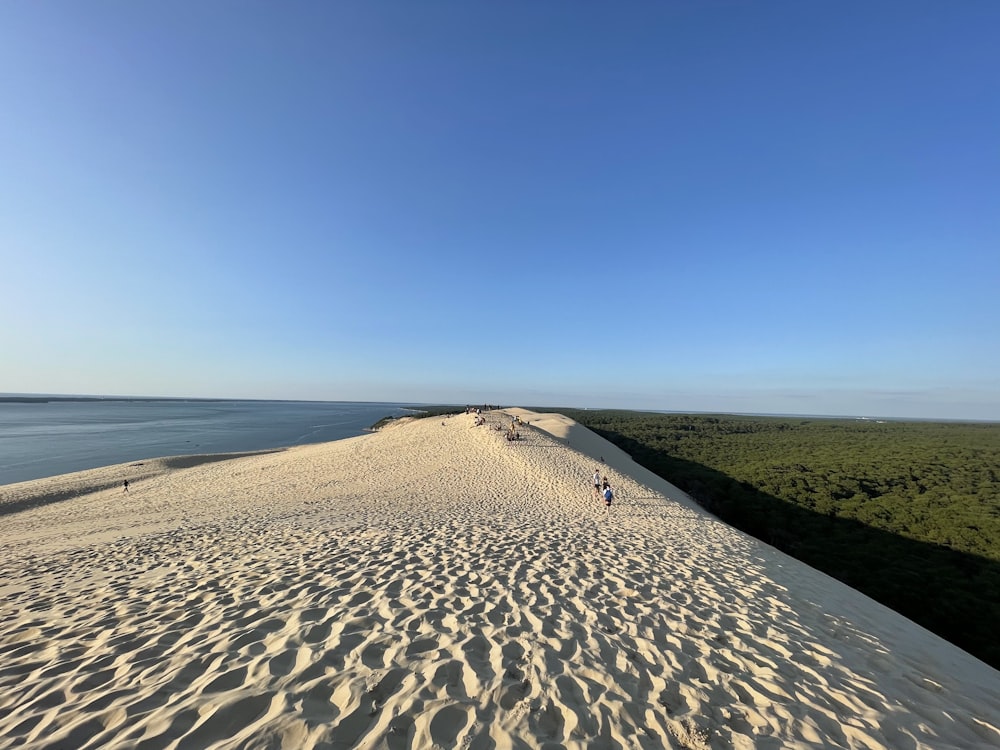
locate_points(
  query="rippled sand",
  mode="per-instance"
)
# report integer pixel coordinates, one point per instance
(434, 585)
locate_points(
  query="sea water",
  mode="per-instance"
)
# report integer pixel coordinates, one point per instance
(42, 439)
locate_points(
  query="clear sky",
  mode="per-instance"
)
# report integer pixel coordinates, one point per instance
(787, 207)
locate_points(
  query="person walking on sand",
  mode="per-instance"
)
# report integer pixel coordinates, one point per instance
(125, 488)
(609, 495)
(597, 482)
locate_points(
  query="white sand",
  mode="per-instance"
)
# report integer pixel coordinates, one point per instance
(433, 585)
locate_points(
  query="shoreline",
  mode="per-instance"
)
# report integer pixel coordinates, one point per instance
(434, 583)
(47, 440)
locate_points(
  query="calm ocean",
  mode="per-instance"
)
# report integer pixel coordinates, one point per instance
(57, 437)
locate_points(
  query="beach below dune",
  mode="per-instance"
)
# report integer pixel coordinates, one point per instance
(435, 585)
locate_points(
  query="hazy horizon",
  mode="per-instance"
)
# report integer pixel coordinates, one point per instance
(795, 415)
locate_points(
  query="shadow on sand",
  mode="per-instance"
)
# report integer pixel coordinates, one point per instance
(953, 594)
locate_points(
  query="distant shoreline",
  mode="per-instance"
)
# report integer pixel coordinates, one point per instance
(47, 435)
(45, 399)
(104, 399)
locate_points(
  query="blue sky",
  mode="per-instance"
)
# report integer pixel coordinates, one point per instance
(788, 207)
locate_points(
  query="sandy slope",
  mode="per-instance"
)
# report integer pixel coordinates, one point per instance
(433, 585)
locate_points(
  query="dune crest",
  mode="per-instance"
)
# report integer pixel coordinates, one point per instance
(434, 585)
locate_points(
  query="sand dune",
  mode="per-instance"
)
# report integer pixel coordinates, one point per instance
(433, 585)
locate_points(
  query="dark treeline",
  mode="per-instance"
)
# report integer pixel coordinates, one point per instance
(906, 512)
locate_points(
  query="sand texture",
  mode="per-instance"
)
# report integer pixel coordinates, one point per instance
(436, 586)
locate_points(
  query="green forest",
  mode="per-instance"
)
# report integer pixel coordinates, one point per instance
(906, 512)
